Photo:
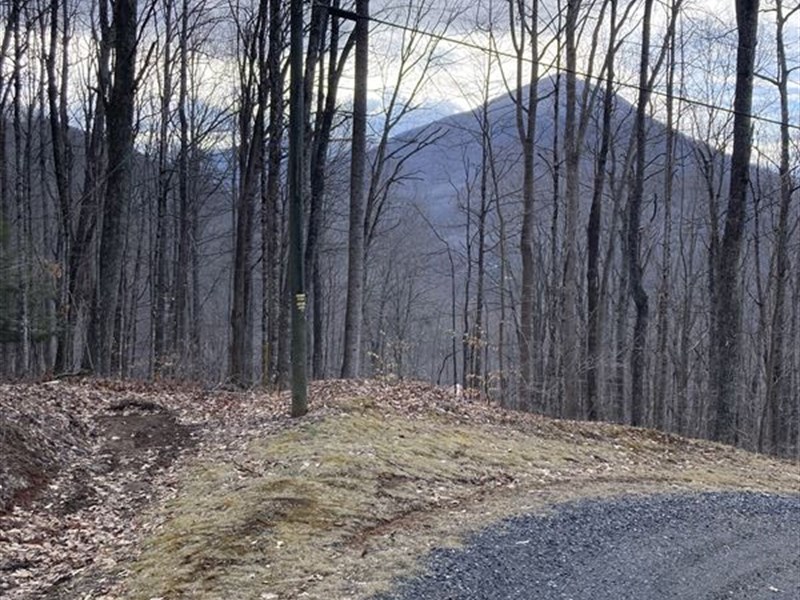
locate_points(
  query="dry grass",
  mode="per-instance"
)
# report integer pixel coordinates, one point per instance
(337, 506)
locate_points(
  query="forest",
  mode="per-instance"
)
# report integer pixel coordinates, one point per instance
(580, 208)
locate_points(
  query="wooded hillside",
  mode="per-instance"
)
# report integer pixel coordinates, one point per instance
(584, 208)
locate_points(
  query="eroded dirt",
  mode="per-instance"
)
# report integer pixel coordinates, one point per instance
(75, 470)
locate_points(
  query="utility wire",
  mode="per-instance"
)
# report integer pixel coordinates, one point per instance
(503, 54)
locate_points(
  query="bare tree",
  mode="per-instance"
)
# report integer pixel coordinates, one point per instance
(251, 122)
(58, 99)
(572, 150)
(19, 195)
(576, 121)
(183, 306)
(633, 230)
(355, 263)
(524, 23)
(660, 382)
(271, 228)
(633, 233)
(726, 379)
(324, 122)
(160, 287)
(770, 432)
(119, 118)
(594, 319)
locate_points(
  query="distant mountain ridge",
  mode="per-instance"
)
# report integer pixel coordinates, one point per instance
(439, 169)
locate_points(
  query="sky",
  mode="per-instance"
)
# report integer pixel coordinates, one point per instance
(708, 28)
(454, 79)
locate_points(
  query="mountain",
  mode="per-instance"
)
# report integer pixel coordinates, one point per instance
(424, 268)
(442, 171)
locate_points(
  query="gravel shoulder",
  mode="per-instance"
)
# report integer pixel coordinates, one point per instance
(689, 546)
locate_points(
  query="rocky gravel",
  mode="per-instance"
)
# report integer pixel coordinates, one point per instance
(691, 546)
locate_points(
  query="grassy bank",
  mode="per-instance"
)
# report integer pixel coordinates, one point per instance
(336, 505)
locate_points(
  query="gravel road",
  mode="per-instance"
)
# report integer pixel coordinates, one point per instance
(677, 547)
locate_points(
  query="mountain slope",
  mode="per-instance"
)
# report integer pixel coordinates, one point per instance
(441, 172)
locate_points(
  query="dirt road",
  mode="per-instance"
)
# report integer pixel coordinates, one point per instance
(686, 547)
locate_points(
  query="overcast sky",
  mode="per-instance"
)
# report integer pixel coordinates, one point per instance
(456, 82)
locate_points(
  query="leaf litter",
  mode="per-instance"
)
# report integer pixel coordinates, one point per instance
(115, 489)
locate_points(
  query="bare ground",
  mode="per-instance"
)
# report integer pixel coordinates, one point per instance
(123, 490)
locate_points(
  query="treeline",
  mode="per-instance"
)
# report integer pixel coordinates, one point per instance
(586, 257)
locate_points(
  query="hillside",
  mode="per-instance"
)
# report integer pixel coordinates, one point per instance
(122, 490)
(441, 173)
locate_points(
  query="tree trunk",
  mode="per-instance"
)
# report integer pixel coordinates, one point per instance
(633, 231)
(660, 408)
(161, 292)
(253, 89)
(62, 166)
(476, 379)
(526, 129)
(355, 261)
(271, 229)
(726, 376)
(570, 348)
(776, 379)
(326, 112)
(23, 325)
(594, 313)
(183, 265)
(296, 177)
(119, 118)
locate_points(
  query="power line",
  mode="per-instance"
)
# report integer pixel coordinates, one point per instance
(587, 76)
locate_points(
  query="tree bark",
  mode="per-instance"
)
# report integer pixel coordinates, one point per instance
(62, 166)
(594, 312)
(526, 129)
(355, 260)
(119, 119)
(183, 266)
(253, 88)
(572, 387)
(271, 229)
(660, 406)
(776, 379)
(160, 286)
(726, 375)
(633, 231)
(296, 175)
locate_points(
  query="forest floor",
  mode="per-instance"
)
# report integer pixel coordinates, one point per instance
(157, 491)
